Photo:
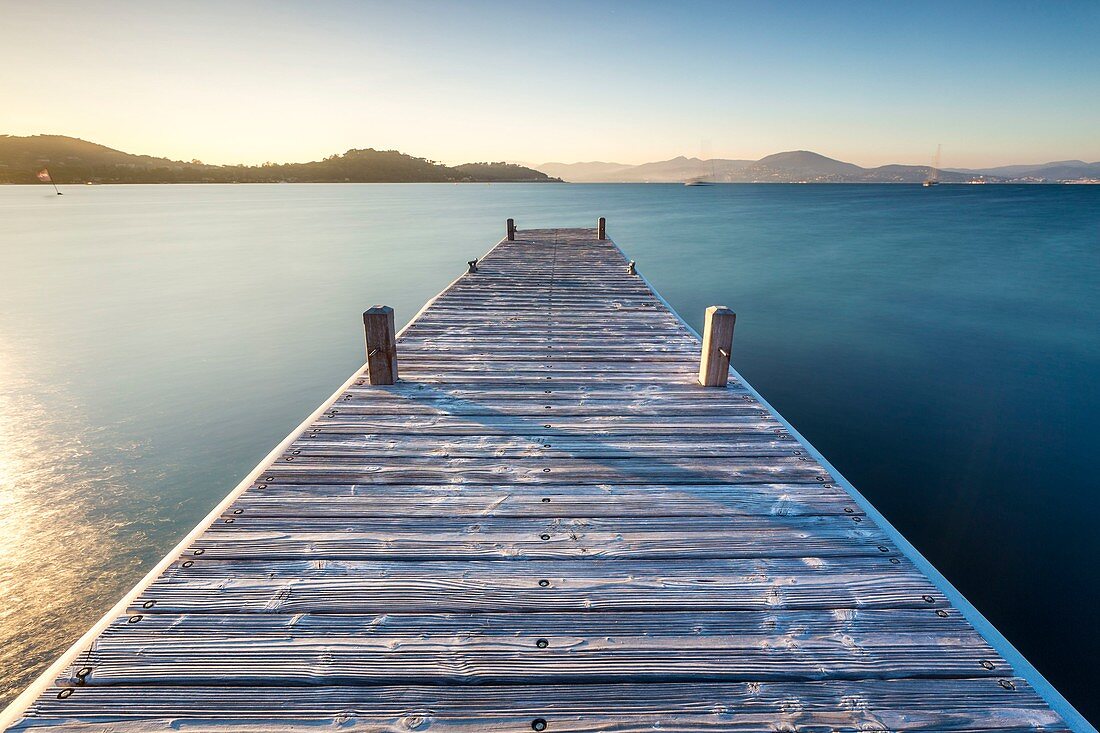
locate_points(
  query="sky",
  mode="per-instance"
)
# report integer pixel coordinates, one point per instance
(868, 82)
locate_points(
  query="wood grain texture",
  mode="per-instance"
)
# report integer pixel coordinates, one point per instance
(378, 327)
(714, 362)
(546, 518)
(968, 704)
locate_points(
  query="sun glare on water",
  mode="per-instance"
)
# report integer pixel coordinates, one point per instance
(56, 527)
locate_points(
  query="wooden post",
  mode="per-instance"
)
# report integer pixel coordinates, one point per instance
(511, 230)
(714, 364)
(601, 228)
(381, 345)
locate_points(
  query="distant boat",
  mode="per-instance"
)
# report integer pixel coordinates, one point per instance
(704, 180)
(933, 171)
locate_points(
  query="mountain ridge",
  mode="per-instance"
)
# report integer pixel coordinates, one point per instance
(72, 160)
(805, 166)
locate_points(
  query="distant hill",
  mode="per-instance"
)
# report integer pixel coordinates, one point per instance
(801, 164)
(675, 170)
(72, 160)
(1059, 170)
(804, 166)
(795, 166)
(592, 172)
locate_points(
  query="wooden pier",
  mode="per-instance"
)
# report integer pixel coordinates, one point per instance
(546, 523)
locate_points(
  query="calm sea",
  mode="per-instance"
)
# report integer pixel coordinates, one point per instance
(940, 346)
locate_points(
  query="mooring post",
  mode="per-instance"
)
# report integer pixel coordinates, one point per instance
(511, 230)
(381, 345)
(601, 228)
(473, 266)
(714, 364)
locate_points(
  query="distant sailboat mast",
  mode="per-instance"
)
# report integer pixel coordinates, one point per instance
(704, 154)
(934, 171)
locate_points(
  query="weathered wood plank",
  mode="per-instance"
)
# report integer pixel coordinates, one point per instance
(545, 469)
(485, 654)
(555, 500)
(968, 704)
(294, 587)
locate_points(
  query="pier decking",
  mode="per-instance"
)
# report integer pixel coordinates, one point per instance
(546, 524)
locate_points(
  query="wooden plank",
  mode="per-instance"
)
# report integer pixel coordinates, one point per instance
(968, 704)
(340, 586)
(366, 445)
(360, 539)
(558, 425)
(627, 469)
(482, 649)
(553, 500)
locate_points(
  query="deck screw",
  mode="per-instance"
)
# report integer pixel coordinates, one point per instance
(544, 583)
(987, 664)
(188, 563)
(69, 691)
(1007, 684)
(928, 599)
(542, 643)
(941, 613)
(135, 618)
(538, 724)
(544, 536)
(148, 604)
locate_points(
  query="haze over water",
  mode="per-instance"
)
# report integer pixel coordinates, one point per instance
(939, 346)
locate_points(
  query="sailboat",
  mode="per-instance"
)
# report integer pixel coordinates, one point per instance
(933, 171)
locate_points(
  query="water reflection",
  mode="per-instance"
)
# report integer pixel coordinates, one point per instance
(64, 529)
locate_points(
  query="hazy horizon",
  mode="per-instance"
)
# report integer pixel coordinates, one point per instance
(249, 82)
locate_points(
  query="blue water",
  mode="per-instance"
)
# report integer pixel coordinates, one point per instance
(939, 346)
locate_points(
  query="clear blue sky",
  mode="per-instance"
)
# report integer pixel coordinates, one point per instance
(868, 82)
